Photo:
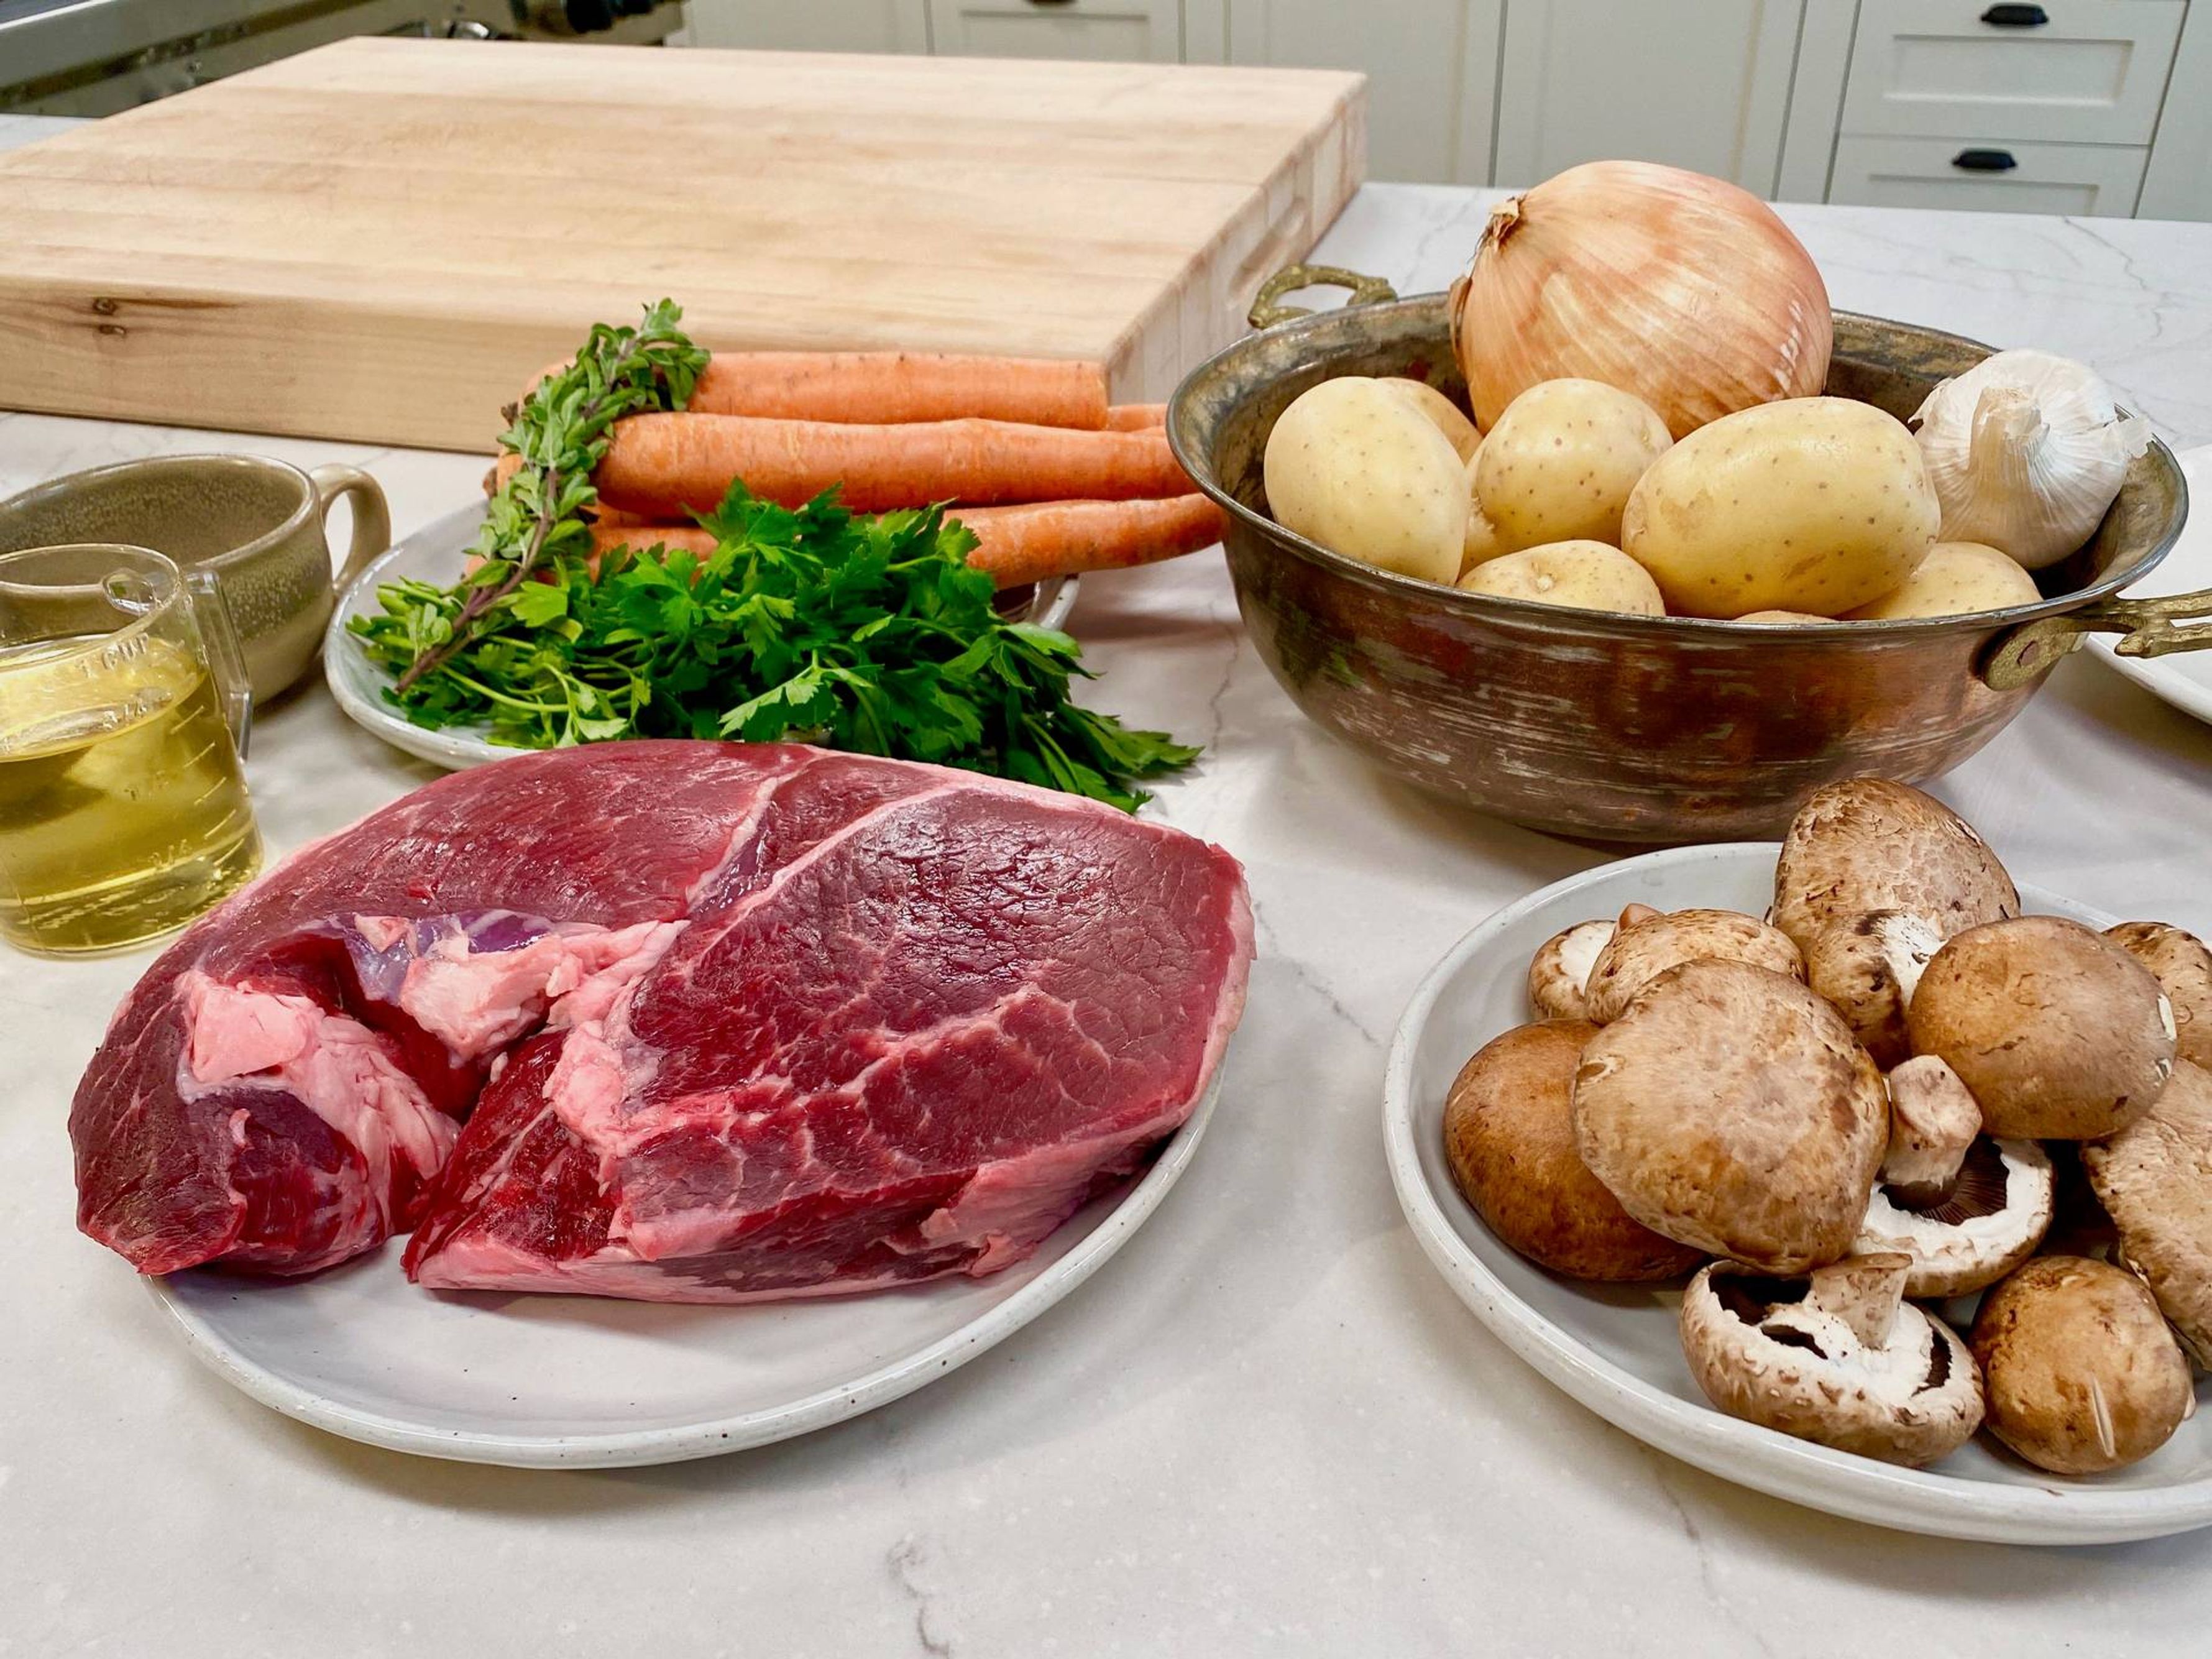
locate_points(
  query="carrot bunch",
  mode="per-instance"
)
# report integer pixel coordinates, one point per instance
(1051, 478)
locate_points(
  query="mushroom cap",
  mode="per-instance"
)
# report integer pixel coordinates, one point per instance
(1561, 967)
(2057, 1031)
(2155, 1180)
(2182, 968)
(1865, 846)
(2081, 1372)
(1768, 1351)
(1639, 951)
(1729, 1109)
(1509, 1139)
(1989, 1225)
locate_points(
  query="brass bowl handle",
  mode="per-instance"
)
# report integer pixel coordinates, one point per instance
(2029, 652)
(1268, 306)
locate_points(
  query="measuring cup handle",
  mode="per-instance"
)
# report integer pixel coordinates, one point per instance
(372, 519)
(226, 656)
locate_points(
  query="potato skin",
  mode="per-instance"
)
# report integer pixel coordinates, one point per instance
(1581, 575)
(1812, 504)
(1446, 416)
(1561, 460)
(1354, 465)
(1954, 580)
(1509, 1140)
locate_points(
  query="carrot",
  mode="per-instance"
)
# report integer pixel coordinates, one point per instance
(1136, 417)
(663, 464)
(642, 536)
(1029, 542)
(893, 388)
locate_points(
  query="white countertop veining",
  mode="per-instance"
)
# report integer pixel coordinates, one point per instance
(1267, 1427)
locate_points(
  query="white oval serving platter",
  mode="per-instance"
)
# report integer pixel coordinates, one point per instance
(435, 553)
(1614, 1348)
(2183, 679)
(592, 1383)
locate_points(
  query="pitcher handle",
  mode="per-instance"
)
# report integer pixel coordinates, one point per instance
(2028, 653)
(225, 656)
(1268, 306)
(372, 518)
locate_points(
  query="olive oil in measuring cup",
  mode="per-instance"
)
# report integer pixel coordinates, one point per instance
(122, 807)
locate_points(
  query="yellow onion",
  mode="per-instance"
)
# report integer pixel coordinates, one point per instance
(1686, 290)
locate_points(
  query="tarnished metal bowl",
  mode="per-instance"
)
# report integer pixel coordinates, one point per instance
(1634, 728)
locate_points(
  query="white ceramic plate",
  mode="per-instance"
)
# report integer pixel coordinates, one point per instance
(1614, 1347)
(2183, 679)
(590, 1382)
(435, 554)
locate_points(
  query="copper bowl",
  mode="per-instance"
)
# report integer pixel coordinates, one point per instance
(1632, 728)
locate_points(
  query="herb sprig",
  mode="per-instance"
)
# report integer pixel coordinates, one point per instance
(866, 633)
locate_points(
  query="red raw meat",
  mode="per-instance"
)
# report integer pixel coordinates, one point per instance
(734, 1022)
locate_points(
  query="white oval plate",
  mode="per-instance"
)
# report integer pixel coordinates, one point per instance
(538, 1382)
(1614, 1347)
(435, 553)
(2183, 679)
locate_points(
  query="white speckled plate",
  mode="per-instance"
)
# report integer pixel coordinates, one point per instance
(588, 1381)
(1614, 1347)
(435, 554)
(2185, 678)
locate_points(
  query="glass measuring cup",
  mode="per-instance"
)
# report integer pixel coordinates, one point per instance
(124, 704)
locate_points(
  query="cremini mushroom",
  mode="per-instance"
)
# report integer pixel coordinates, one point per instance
(1839, 1358)
(1729, 1109)
(1511, 1142)
(2155, 1180)
(2081, 1372)
(2059, 1033)
(1642, 949)
(1966, 1209)
(1873, 878)
(2182, 968)
(1561, 967)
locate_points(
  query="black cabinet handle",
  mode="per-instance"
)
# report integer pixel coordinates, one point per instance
(1984, 160)
(2015, 17)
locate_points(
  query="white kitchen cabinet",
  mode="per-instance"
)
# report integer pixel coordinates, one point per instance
(1432, 70)
(812, 25)
(1125, 30)
(1698, 84)
(2081, 180)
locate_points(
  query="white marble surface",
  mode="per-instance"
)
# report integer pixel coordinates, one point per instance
(1265, 1428)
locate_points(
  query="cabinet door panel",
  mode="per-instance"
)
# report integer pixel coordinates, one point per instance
(812, 25)
(1124, 31)
(1698, 83)
(2084, 180)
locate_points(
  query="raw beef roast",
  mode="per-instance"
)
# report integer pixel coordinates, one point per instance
(682, 1021)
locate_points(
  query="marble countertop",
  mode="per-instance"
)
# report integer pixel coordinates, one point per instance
(1267, 1427)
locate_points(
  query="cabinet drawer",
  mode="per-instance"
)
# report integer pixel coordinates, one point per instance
(2091, 71)
(1124, 31)
(2084, 180)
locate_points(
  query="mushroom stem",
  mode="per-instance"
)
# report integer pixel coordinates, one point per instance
(1863, 1291)
(1933, 1120)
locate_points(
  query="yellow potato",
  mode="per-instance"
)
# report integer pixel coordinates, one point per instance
(1812, 504)
(1560, 461)
(1583, 575)
(1782, 618)
(1355, 466)
(1450, 419)
(1482, 541)
(1955, 578)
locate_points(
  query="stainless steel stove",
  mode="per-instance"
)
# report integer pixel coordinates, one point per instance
(96, 56)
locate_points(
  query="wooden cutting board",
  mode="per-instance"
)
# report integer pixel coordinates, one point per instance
(380, 240)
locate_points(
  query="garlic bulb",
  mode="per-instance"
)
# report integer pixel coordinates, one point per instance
(2026, 451)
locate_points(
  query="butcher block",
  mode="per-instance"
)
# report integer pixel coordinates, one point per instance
(379, 240)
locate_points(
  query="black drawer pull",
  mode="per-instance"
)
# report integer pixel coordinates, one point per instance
(1984, 160)
(2015, 17)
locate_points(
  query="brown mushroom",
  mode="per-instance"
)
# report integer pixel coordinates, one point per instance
(2182, 968)
(2059, 1033)
(1561, 967)
(1509, 1139)
(1642, 950)
(2155, 1180)
(2079, 1372)
(1839, 1358)
(1729, 1109)
(1873, 878)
